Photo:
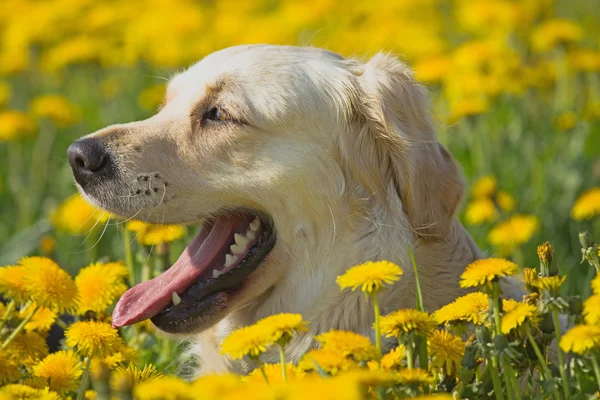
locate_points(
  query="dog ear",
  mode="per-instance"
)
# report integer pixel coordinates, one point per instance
(395, 148)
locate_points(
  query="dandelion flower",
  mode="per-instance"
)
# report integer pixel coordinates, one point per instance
(92, 338)
(550, 283)
(62, 370)
(274, 375)
(215, 386)
(334, 388)
(99, 285)
(446, 351)
(391, 361)
(47, 245)
(249, 340)
(77, 217)
(484, 187)
(12, 285)
(467, 107)
(518, 316)
(470, 307)
(554, 32)
(581, 339)
(565, 121)
(153, 234)
(515, 231)
(480, 211)
(483, 272)
(530, 277)
(15, 125)
(42, 319)
(9, 369)
(158, 388)
(49, 285)
(132, 375)
(591, 310)
(28, 347)
(587, 205)
(415, 376)
(283, 326)
(505, 201)
(407, 321)
(545, 252)
(350, 344)
(19, 392)
(596, 283)
(370, 276)
(330, 361)
(56, 108)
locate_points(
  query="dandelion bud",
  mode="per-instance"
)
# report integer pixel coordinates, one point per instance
(586, 239)
(545, 252)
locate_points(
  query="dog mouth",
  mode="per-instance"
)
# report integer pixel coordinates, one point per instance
(197, 289)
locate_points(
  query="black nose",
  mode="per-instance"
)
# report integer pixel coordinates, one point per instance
(90, 161)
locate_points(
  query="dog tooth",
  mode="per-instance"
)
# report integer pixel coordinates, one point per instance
(254, 225)
(228, 260)
(216, 273)
(175, 298)
(241, 240)
(251, 234)
(237, 249)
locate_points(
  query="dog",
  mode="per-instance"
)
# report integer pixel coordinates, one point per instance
(298, 164)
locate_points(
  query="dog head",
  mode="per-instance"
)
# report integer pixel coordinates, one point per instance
(264, 146)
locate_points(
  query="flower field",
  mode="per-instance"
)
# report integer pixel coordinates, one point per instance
(516, 92)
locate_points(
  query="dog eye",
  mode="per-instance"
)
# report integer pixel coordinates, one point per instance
(216, 114)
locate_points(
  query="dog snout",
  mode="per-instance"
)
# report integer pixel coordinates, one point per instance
(90, 161)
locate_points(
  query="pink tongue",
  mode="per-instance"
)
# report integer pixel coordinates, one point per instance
(147, 299)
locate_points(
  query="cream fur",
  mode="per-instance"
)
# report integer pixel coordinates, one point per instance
(340, 153)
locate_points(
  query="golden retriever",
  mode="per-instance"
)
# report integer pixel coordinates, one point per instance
(298, 164)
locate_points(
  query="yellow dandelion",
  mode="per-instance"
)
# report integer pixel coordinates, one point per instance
(480, 211)
(249, 340)
(48, 284)
(415, 376)
(169, 387)
(283, 326)
(370, 276)
(432, 70)
(99, 285)
(330, 361)
(15, 125)
(484, 187)
(545, 252)
(133, 376)
(56, 108)
(530, 277)
(580, 339)
(483, 272)
(333, 388)
(274, 375)
(565, 121)
(9, 369)
(12, 285)
(405, 321)
(77, 217)
(47, 245)
(587, 205)
(596, 283)
(553, 32)
(521, 314)
(509, 305)
(62, 371)
(467, 107)
(350, 344)
(515, 231)
(505, 201)
(42, 319)
(216, 386)
(437, 396)
(591, 310)
(550, 283)
(20, 392)
(391, 361)
(151, 98)
(93, 338)
(446, 351)
(470, 307)
(28, 348)
(153, 234)
(90, 395)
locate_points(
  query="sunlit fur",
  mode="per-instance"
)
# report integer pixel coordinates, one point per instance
(340, 153)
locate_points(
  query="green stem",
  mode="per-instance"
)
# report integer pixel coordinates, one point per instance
(539, 355)
(561, 358)
(9, 309)
(18, 329)
(512, 379)
(84, 380)
(282, 361)
(423, 354)
(377, 327)
(409, 355)
(262, 370)
(419, 305)
(596, 369)
(62, 324)
(128, 255)
(496, 379)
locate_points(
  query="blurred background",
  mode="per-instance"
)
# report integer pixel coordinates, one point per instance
(515, 86)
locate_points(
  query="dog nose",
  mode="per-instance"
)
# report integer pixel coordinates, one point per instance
(89, 160)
